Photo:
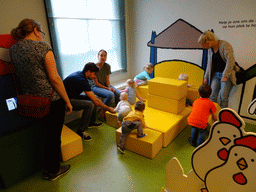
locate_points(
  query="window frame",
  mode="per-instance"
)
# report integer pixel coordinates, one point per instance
(115, 74)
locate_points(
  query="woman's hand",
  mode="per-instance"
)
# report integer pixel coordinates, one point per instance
(111, 89)
(69, 108)
(224, 79)
(205, 82)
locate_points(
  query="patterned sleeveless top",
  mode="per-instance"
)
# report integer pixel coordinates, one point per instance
(28, 59)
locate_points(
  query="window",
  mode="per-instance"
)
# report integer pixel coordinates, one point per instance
(80, 28)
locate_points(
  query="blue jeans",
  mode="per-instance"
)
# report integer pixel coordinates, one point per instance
(220, 88)
(197, 136)
(109, 95)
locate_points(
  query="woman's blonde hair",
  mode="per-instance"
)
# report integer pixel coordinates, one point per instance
(130, 83)
(25, 27)
(148, 66)
(207, 36)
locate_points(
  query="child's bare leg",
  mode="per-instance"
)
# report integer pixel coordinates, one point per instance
(119, 123)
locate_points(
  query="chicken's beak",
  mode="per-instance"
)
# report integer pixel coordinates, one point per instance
(225, 140)
(241, 163)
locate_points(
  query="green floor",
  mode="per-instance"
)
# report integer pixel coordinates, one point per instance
(102, 168)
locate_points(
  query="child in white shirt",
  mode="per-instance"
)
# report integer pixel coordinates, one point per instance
(123, 107)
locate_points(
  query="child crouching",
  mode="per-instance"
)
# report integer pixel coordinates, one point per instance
(134, 120)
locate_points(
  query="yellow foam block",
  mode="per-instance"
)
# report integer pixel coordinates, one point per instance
(169, 88)
(111, 119)
(143, 91)
(210, 119)
(71, 144)
(193, 93)
(170, 125)
(147, 146)
(166, 104)
(172, 69)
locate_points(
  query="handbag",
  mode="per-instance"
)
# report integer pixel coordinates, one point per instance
(240, 75)
(33, 105)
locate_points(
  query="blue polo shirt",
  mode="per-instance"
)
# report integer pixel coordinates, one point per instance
(75, 84)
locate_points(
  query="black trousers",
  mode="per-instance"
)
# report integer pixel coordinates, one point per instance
(53, 123)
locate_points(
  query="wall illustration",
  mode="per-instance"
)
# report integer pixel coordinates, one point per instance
(225, 162)
(252, 107)
(182, 35)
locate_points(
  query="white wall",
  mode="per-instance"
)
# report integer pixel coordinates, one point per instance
(145, 16)
(13, 11)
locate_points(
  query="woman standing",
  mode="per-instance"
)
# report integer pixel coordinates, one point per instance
(35, 66)
(101, 86)
(221, 68)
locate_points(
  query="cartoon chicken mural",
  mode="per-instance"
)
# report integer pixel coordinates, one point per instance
(226, 162)
(252, 107)
(237, 174)
(213, 151)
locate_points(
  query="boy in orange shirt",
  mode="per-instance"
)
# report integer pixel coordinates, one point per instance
(201, 110)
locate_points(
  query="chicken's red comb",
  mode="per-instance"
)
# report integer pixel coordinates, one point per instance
(228, 116)
(249, 141)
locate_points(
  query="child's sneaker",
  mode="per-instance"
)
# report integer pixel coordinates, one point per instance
(141, 136)
(121, 149)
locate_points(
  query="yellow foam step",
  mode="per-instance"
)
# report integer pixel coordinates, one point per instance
(193, 93)
(147, 146)
(166, 104)
(169, 88)
(71, 144)
(111, 119)
(143, 91)
(170, 125)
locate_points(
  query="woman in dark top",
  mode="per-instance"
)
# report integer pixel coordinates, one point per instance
(101, 86)
(36, 70)
(221, 68)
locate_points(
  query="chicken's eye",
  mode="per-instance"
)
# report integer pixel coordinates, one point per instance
(234, 136)
(252, 160)
(235, 154)
(218, 131)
